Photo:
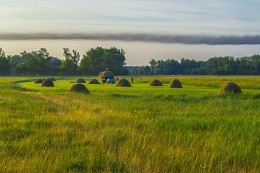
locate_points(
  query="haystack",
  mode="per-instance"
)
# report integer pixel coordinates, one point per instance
(230, 87)
(123, 83)
(52, 78)
(94, 81)
(38, 81)
(79, 88)
(156, 83)
(47, 83)
(175, 83)
(106, 75)
(81, 80)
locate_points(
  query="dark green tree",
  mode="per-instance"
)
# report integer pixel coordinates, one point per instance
(256, 63)
(69, 65)
(34, 63)
(4, 63)
(14, 61)
(98, 59)
(153, 64)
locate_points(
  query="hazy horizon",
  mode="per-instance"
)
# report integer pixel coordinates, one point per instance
(134, 55)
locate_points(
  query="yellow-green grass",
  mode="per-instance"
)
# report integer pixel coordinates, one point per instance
(137, 129)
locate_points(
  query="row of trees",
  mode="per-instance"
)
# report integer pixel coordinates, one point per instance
(214, 66)
(42, 63)
(98, 59)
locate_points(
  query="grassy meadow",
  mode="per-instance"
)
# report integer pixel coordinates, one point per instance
(138, 129)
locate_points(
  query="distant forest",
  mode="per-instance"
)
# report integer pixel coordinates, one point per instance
(214, 66)
(98, 59)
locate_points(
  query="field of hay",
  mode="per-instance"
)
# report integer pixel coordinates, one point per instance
(130, 129)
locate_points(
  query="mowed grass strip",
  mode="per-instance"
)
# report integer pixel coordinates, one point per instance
(137, 129)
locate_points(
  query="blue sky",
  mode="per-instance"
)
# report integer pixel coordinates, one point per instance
(186, 17)
(153, 16)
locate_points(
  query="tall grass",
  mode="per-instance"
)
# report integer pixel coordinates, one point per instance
(138, 129)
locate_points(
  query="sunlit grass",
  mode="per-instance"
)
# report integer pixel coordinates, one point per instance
(138, 129)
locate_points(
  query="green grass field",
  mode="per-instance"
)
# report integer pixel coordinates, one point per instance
(137, 129)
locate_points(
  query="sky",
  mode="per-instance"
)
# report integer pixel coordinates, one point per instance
(145, 29)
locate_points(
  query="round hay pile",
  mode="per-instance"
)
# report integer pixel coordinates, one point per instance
(175, 83)
(47, 83)
(156, 83)
(94, 81)
(123, 83)
(81, 80)
(38, 81)
(52, 78)
(79, 88)
(230, 88)
(106, 74)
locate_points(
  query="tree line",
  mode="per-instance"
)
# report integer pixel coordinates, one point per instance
(98, 59)
(214, 66)
(42, 63)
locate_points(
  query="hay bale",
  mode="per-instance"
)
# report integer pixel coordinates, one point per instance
(38, 81)
(52, 78)
(123, 83)
(80, 80)
(106, 75)
(156, 82)
(94, 81)
(47, 83)
(230, 88)
(79, 88)
(175, 83)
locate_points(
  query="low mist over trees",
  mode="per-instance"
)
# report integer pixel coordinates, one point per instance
(98, 59)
